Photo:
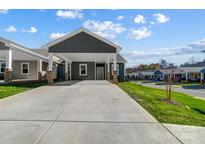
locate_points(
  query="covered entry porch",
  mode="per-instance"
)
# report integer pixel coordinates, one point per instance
(86, 66)
(87, 56)
(20, 64)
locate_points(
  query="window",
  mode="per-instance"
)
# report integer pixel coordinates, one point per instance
(2, 67)
(117, 66)
(83, 69)
(24, 68)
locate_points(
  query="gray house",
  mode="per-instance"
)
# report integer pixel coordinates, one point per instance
(186, 74)
(189, 74)
(80, 55)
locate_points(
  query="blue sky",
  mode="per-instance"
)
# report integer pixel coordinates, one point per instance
(145, 35)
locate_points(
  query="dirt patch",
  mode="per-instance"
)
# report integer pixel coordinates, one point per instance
(170, 102)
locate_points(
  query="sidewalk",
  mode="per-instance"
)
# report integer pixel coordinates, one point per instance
(187, 134)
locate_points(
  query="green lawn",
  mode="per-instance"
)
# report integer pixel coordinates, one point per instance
(188, 111)
(8, 90)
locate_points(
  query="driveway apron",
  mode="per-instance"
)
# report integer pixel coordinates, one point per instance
(78, 112)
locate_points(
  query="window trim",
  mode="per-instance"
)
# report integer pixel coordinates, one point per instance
(22, 69)
(86, 68)
(0, 67)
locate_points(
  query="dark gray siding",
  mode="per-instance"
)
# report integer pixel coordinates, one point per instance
(121, 71)
(3, 47)
(82, 43)
(90, 69)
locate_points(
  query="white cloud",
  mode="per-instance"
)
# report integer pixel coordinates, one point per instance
(139, 33)
(4, 11)
(120, 18)
(56, 35)
(42, 10)
(11, 29)
(161, 18)
(30, 30)
(152, 22)
(139, 19)
(70, 14)
(106, 29)
(176, 55)
(94, 13)
(192, 48)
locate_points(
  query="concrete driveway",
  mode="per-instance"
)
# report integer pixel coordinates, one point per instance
(84, 112)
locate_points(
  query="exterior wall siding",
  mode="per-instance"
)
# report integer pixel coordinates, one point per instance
(82, 43)
(16, 72)
(121, 71)
(90, 71)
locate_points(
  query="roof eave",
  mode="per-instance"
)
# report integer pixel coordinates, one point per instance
(21, 48)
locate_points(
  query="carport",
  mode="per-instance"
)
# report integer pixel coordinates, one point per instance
(87, 56)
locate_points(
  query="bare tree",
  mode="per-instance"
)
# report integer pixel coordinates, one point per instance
(170, 68)
(193, 60)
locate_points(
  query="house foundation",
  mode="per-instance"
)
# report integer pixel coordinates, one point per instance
(66, 76)
(39, 76)
(115, 79)
(8, 75)
(50, 76)
(108, 76)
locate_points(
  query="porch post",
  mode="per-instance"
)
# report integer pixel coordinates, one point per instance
(163, 76)
(50, 69)
(202, 78)
(70, 68)
(174, 77)
(187, 77)
(8, 70)
(115, 79)
(66, 70)
(39, 68)
(108, 69)
(95, 70)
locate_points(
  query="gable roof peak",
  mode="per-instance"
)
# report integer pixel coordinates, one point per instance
(82, 29)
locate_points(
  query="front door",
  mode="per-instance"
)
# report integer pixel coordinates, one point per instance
(100, 73)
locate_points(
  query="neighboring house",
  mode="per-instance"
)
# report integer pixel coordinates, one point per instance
(147, 75)
(18, 62)
(135, 76)
(196, 74)
(80, 55)
(142, 75)
(189, 74)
